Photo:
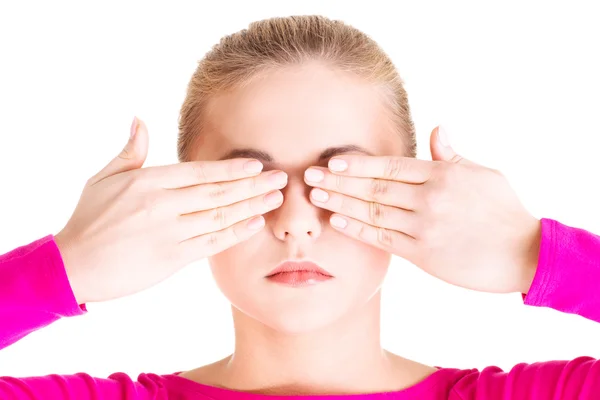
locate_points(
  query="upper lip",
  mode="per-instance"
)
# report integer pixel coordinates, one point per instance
(298, 265)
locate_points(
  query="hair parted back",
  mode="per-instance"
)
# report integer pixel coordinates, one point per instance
(282, 41)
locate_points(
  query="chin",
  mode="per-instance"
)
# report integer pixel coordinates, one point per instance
(290, 311)
(300, 320)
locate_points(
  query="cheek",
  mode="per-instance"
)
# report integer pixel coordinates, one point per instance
(369, 268)
(238, 270)
(365, 261)
(360, 268)
(227, 266)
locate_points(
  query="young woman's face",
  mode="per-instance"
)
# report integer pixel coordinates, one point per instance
(294, 115)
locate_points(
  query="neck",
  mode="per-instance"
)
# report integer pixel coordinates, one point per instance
(344, 357)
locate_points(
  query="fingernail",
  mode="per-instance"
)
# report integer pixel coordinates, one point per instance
(443, 136)
(133, 129)
(319, 195)
(253, 167)
(337, 165)
(278, 178)
(314, 175)
(338, 222)
(256, 223)
(273, 198)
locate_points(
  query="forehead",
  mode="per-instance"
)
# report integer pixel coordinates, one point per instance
(294, 113)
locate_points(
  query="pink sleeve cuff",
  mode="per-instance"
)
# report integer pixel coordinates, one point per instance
(65, 298)
(568, 273)
(543, 273)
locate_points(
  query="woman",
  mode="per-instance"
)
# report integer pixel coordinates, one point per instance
(298, 181)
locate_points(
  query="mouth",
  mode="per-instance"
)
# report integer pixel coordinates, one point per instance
(298, 274)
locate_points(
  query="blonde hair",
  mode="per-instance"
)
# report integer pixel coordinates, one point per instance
(276, 42)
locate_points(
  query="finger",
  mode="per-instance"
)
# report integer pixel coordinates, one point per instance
(391, 193)
(442, 150)
(403, 169)
(386, 239)
(212, 195)
(372, 213)
(191, 173)
(440, 145)
(131, 157)
(219, 218)
(209, 244)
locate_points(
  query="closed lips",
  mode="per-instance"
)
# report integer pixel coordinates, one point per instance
(298, 267)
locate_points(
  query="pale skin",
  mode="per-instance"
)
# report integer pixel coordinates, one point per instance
(336, 327)
(134, 227)
(425, 212)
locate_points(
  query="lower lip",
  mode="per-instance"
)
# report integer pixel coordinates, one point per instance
(299, 278)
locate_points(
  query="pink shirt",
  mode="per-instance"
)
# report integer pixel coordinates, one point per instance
(35, 291)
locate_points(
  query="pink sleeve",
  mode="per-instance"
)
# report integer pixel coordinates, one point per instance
(34, 292)
(118, 386)
(574, 379)
(567, 279)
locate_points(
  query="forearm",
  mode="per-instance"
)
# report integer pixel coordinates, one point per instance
(34, 290)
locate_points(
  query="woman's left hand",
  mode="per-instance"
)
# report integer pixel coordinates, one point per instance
(457, 220)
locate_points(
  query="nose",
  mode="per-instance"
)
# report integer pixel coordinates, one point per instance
(297, 219)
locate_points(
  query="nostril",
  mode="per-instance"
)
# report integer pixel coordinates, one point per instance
(309, 233)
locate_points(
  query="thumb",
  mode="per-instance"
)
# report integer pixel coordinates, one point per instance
(441, 150)
(132, 156)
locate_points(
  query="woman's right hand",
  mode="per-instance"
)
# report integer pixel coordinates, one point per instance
(134, 227)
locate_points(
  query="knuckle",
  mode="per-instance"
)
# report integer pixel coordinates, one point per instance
(212, 240)
(230, 169)
(199, 170)
(362, 232)
(126, 154)
(378, 189)
(384, 237)
(252, 207)
(394, 166)
(219, 217)
(217, 191)
(339, 182)
(235, 235)
(376, 213)
(456, 159)
(253, 184)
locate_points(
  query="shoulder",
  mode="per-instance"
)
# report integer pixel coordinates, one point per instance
(576, 378)
(200, 380)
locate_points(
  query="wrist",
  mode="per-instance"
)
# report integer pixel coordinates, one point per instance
(531, 252)
(66, 252)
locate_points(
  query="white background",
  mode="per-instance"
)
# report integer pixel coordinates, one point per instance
(516, 86)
